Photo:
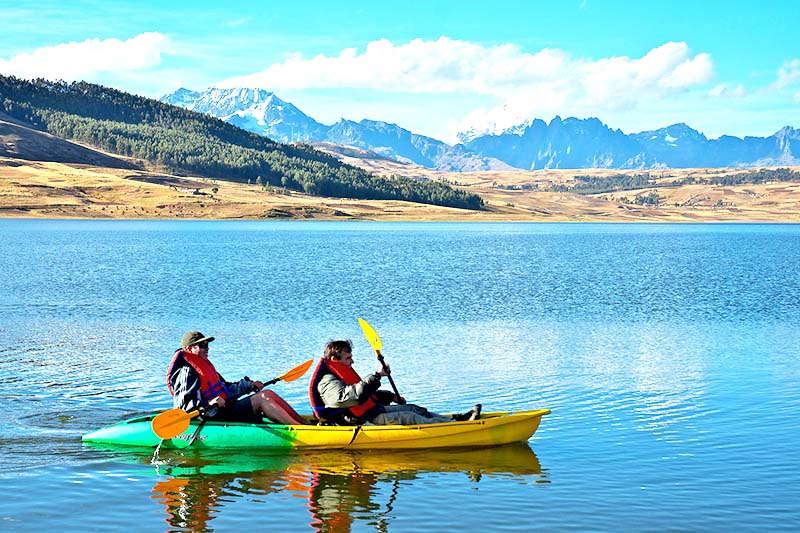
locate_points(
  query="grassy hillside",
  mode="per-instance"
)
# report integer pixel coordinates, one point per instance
(22, 142)
(34, 189)
(42, 175)
(183, 142)
(671, 195)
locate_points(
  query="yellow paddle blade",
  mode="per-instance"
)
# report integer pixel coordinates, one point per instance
(172, 423)
(371, 335)
(296, 372)
(375, 341)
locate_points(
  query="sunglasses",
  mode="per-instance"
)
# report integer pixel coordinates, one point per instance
(202, 345)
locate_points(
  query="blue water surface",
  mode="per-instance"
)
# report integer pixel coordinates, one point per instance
(667, 353)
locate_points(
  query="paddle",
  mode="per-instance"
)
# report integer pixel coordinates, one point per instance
(172, 423)
(375, 342)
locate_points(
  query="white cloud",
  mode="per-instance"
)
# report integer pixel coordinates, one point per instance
(238, 22)
(547, 82)
(449, 65)
(718, 90)
(694, 71)
(723, 90)
(601, 87)
(788, 74)
(419, 66)
(84, 60)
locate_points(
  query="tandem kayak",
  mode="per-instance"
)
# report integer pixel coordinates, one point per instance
(490, 429)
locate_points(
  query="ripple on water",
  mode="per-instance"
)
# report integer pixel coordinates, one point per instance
(667, 354)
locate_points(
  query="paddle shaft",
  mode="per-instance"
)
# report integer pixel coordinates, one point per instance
(196, 432)
(388, 374)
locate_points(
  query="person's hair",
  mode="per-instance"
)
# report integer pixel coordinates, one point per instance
(334, 349)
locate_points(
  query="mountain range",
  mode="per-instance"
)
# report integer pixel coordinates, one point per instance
(264, 113)
(569, 143)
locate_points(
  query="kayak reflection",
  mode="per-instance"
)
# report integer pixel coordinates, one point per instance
(341, 487)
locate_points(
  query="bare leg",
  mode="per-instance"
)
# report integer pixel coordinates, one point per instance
(286, 407)
(272, 406)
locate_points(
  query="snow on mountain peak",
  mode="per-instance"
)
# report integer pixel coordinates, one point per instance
(252, 109)
(223, 103)
(504, 120)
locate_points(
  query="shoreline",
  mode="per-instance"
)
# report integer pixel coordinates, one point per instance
(49, 190)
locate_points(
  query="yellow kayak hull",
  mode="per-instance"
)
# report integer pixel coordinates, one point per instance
(492, 429)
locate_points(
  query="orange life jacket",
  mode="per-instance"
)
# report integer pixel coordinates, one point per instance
(349, 377)
(211, 385)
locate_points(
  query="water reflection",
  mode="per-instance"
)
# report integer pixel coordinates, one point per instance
(342, 488)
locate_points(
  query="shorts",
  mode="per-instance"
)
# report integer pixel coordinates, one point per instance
(240, 411)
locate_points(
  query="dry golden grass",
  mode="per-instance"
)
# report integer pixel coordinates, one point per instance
(507, 198)
(32, 189)
(87, 183)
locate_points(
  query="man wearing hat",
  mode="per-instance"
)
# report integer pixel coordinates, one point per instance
(194, 383)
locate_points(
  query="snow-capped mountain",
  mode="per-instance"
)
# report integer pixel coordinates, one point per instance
(253, 110)
(264, 113)
(182, 98)
(531, 144)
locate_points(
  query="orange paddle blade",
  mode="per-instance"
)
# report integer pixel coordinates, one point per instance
(172, 423)
(296, 372)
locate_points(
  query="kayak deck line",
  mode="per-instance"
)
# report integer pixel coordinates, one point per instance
(491, 429)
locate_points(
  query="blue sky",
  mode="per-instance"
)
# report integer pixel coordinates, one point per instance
(437, 67)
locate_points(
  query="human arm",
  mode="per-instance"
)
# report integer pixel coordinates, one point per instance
(242, 387)
(185, 382)
(335, 393)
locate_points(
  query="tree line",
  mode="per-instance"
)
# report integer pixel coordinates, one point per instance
(626, 182)
(186, 142)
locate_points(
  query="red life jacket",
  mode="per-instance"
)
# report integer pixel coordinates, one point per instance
(346, 374)
(211, 385)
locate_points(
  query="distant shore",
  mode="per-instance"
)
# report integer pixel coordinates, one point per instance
(35, 189)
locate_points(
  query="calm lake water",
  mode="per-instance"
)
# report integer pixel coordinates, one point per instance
(667, 353)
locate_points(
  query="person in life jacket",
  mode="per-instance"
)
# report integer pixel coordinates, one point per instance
(340, 396)
(194, 383)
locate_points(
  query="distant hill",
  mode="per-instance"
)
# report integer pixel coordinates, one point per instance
(22, 142)
(182, 141)
(562, 144)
